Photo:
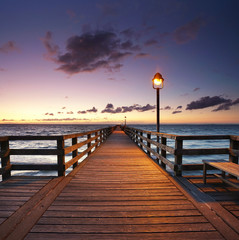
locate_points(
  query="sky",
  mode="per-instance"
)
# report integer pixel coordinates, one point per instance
(92, 61)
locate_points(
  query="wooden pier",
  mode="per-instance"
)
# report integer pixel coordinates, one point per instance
(117, 192)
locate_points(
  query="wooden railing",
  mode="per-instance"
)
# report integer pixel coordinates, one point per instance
(93, 140)
(159, 148)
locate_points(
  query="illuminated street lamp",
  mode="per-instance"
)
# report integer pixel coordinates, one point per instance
(157, 84)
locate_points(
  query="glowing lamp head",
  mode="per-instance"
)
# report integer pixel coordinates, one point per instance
(158, 81)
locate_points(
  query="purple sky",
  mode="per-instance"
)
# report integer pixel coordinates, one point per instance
(93, 61)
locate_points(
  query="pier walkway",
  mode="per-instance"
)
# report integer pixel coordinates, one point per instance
(118, 192)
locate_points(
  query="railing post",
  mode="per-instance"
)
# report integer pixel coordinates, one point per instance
(148, 143)
(178, 157)
(140, 141)
(163, 152)
(136, 137)
(101, 136)
(234, 145)
(89, 144)
(75, 152)
(96, 140)
(61, 157)
(6, 160)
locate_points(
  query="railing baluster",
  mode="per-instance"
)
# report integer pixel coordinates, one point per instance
(75, 152)
(234, 145)
(140, 141)
(61, 157)
(178, 157)
(89, 144)
(5, 160)
(163, 152)
(148, 143)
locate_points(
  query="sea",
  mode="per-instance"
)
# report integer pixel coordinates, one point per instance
(62, 129)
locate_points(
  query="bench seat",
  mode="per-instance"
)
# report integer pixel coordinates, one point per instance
(224, 166)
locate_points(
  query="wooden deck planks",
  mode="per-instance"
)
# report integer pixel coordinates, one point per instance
(117, 193)
(120, 194)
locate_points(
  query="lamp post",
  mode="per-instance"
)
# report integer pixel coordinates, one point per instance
(125, 121)
(158, 84)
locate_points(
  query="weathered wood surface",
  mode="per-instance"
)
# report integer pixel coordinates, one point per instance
(121, 194)
(117, 193)
(225, 198)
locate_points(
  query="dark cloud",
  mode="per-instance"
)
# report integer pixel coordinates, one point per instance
(136, 107)
(10, 46)
(145, 108)
(110, 109)
(109, 105)
(167, 108)
(188, 31)
(92, 110)
(63, 107)
(2, 69)
(81, 112)
(175, 112)
(227, 105)
(196, 89)
(90, 51)
(70, 112)
(179, 107)
(128, 108)
(60, 112)
(49, 114)
(206, 102)
(88, 111)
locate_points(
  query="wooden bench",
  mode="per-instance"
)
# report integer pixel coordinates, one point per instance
(225, 166)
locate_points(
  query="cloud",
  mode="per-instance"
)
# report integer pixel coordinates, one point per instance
(81, 112)
(206, 102)
(9, 46)
(136, 107)
(196, 89)
(92, 110)
(7, 120)
(227, 105)
(188, 31)
(179, 107)
(52, 49)
(2, 69)
(49, 114)
(90, 51)
(62, 119)
(167, 108)
(110, 109)
(175, 112)
(145, 108)
(70, 112)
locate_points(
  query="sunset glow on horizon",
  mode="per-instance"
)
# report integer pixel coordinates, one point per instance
(92, 62)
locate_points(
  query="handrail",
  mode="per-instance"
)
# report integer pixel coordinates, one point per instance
(94, 139)
(144, 140)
